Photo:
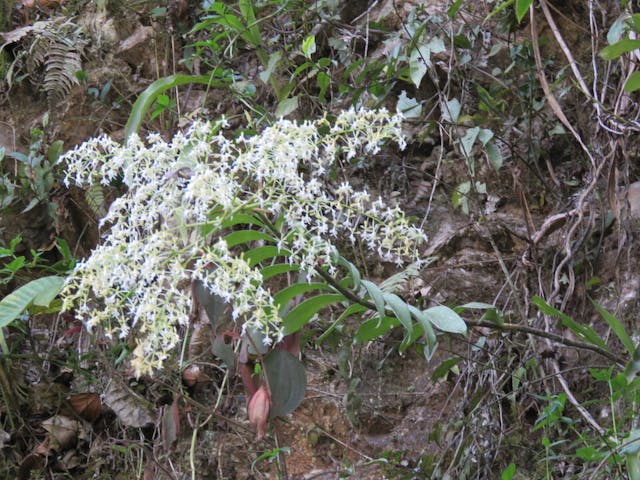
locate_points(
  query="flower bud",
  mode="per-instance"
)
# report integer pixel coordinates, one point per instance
(258, 410)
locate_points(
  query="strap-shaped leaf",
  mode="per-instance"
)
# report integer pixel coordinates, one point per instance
(141, 106)
(355, 273)
(277, 269)
(375, 327)
(400, 309)
(259, 254)
(424, 322)
(376, 295)
(39, 292)
(446, 319)
(243, 218)
(285, 295)
(617, 327)
(351, 310)
(583, 331)
(244, 236)
(301, 314)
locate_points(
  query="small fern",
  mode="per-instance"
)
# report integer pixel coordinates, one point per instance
(51, 56)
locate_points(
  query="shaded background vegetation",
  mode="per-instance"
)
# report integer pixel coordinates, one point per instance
(521, 167)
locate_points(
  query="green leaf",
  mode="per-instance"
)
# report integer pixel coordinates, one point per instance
(301, 314)
(287, 381)
(451, 110)
(243, 218)
(353, 270)
(259, 254)
(244, 236)
(445, 319)
(444, 368)
(309, 46)
(400, 309)
(617, 49)
(494, 155)
(38, 292)
(148, 96)
(522, 7)
(214, 305)
(509, 472)
(252, 34)
(583, 331)
(54, 151)
(477, 306)
(274, 60)
(351, 310)
(633, 367)
(407, 106)
(467, 141)
(374, 328)
(376, 295)
(286, 106)
(277, 269)
(287, 294)
(633, 83)
(453, 9)
(617, 327)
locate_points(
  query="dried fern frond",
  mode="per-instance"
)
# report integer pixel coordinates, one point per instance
(51, 56)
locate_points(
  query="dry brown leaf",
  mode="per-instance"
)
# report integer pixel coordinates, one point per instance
(86, 405)
(131, 409)
(63, 432)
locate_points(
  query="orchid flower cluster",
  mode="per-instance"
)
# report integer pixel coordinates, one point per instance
(166, 230)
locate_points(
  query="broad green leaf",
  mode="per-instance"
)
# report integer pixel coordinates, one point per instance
(286, 106)
(277, 269)
(38, 292)
(309, 46)
(259, 254)
(583, 331)
(374, 328)
(619, 48)
(522, 7)
(148, 96)
(494, 155)
(287, 294)
(424, 322)
(445, 319)
(633, 83)
(407, 106)
(299, 316)
(244, 236)
(287, 381)
(400, 309)
(451, 110)
(376, 295)
(509, 472)
(617, 29)
(274, 60)
(214, 305)
(467, 141)
(617, 327)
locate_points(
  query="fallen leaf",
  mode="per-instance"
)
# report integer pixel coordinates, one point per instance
(131, 409)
